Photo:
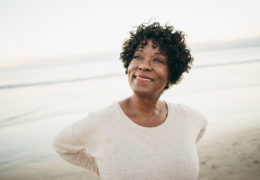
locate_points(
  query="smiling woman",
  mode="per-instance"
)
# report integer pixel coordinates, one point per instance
(148, 71)
(172, 47)
(141, 137)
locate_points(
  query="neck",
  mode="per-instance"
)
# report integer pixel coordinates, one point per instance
(144, 105)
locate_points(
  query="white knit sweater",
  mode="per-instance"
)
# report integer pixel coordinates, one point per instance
(110, 144)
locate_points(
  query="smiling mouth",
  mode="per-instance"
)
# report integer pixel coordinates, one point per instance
(142, 79)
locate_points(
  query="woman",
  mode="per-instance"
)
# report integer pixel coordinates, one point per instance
(141, 137)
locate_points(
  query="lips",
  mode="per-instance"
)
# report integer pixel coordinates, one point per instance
(143, 78)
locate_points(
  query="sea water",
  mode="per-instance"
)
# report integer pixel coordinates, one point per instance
(51, 71)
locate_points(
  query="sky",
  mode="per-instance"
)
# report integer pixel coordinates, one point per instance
(31, 30)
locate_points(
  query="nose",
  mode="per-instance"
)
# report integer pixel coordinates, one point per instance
(145, 66)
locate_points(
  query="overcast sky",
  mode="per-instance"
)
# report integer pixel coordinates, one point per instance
(34, 29)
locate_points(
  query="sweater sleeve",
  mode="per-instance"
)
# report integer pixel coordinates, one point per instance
(72, 148)
(198, 122)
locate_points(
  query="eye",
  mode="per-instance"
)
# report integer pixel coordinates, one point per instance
(158, 60)
(137, 57)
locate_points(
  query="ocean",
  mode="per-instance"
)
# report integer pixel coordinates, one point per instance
(104, 65)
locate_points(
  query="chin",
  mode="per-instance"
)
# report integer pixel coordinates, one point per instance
(143, 92)
(140, 90)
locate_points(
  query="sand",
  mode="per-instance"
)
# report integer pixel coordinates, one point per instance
(227, 95)
(234, 156)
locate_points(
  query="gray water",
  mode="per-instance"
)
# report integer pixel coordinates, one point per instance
(53, 71)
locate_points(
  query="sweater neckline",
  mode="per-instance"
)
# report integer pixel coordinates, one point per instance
(135, 125)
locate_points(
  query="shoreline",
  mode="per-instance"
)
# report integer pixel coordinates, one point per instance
(111, 75)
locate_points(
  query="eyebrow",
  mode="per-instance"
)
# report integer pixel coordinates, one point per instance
(162, 54)
(156, 53)
(139, 49)
(159, 53)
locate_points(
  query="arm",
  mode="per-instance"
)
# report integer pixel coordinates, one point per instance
(72, 148)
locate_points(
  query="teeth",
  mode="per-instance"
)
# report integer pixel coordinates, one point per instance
(143, 79)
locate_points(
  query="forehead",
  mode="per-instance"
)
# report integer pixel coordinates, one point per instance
(149, 43)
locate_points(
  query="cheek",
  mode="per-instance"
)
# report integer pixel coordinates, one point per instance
(164, 75)
(131, 66)
(129, 69)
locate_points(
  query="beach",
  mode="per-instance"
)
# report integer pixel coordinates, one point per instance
(228, 95)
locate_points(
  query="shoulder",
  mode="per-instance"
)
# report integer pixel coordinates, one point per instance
(188, 112)
(94, 121)
(191, 117)
(105, 112)
(183, 108)
(100, 116)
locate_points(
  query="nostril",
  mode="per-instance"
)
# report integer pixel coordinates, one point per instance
(144, 67)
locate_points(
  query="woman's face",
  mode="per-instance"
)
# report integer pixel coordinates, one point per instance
(148, 71)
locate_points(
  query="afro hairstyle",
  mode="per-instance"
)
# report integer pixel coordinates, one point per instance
(170, 41)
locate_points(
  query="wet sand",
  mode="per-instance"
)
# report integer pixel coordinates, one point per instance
(233, 156)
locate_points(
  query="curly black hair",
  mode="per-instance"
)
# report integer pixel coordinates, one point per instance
(170, 42)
